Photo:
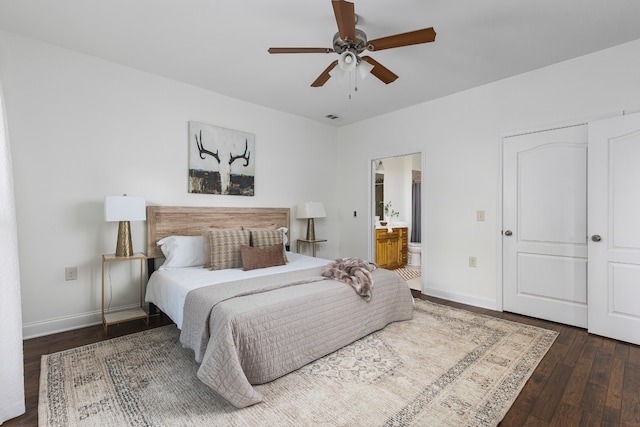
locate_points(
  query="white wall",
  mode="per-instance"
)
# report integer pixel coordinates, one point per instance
(461, 137)
(82, 128)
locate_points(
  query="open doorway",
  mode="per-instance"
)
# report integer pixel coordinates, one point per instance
(397, 212)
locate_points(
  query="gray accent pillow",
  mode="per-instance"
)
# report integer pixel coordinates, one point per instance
(225, 248)
(207, 243)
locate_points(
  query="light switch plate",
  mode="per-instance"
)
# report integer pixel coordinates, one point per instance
(71, 273)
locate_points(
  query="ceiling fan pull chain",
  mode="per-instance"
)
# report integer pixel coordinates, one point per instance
(356, 80)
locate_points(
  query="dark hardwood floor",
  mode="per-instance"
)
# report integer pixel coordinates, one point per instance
(584, 380)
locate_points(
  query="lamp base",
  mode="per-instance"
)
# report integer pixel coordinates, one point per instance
(311, 232)
(124, 248)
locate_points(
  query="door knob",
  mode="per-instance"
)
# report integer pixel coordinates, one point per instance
(508, 233)
(596, 238)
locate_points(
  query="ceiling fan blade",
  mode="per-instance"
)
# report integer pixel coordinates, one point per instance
(425, 35)
(345, 18)
(300, 50)
(380, 71)
(322, 78)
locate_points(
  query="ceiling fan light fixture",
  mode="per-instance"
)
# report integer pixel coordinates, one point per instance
(337, 73)
(364, 68)
(347, 61)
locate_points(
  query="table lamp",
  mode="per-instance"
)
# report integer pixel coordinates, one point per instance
(124, 209)
(309, 211)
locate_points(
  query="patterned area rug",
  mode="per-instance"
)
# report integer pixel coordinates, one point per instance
(408, 273)
(446, 367)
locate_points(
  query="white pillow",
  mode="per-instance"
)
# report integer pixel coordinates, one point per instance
(182, 251)
(285, 239)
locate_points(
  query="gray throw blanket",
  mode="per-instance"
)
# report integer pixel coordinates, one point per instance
(245, 335)
(354, 272)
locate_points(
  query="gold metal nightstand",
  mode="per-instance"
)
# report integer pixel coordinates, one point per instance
(311, 242)
(130, 314)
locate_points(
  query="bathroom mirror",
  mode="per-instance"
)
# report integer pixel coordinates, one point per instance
(397, 185)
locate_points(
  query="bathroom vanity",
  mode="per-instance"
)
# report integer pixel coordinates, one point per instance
(392, 247)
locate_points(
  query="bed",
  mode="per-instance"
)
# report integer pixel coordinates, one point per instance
(251, 327)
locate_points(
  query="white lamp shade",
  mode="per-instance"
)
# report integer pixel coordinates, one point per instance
(124, 208)
(337, 73)
(364, 68)
(347, 61)
(310, 210)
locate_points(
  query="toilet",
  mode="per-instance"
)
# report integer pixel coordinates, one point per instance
(415, 254)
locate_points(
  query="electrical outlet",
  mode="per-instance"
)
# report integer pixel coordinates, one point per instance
(71, 273)
(480, 215)
(473, 262)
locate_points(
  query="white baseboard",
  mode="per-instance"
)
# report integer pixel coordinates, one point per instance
(487, 303)
(63, 324)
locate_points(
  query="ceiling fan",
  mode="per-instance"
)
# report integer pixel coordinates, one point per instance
(349, 42)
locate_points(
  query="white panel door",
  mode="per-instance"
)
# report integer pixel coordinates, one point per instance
(614, 226)
(545, 225)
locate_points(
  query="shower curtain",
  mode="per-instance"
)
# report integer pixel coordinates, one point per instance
(416, 212)
(11, 364)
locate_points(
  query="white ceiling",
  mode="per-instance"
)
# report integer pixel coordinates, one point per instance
(221, 45)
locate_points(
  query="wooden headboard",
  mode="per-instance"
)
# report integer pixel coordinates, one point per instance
(163, 221)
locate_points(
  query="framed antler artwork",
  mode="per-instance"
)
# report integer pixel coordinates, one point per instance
(221, 161)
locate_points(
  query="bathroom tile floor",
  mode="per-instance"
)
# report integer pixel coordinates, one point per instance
(414, 283)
